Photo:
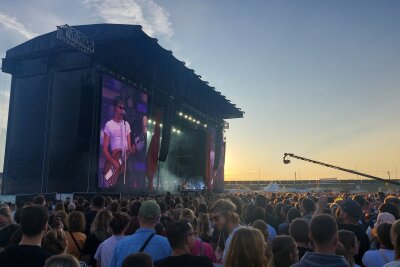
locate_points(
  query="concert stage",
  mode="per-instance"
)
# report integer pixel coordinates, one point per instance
(125, 116)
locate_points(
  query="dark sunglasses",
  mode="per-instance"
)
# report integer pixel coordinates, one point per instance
(121, 107)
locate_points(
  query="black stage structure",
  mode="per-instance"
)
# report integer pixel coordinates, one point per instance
(58, 97)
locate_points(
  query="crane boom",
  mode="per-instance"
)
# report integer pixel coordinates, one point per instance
(287, 161)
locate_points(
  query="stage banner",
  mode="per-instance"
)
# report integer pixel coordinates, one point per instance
(123, 135)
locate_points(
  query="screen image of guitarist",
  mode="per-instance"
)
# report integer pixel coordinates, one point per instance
(123, 129)
(117, 135)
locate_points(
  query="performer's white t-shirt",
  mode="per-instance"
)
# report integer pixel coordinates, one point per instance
(115, 131)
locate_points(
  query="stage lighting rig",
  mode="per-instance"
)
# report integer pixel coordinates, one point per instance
(75, 38)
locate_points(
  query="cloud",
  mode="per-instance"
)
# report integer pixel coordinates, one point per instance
(153, 18)
(13, 24)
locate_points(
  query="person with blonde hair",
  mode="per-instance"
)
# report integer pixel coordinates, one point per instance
(246, 249)
(75, 237)
(62, 261)
(99, 231)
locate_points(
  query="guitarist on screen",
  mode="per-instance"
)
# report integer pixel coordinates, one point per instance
(117, 136)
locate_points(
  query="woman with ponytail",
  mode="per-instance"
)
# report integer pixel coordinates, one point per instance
(395, 237)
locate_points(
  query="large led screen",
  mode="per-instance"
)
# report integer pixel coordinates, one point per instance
(123, 127)
(215, 174)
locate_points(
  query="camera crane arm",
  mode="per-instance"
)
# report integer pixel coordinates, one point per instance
(287, 161)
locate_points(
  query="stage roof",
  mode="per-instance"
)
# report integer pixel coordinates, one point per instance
(128, 50)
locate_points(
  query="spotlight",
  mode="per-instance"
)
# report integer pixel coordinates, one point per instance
(180, 114)
(190, 118)
(150, 121)
(205, 125)
(186, 116)
(160, 124)
(178, 131)
(198, 122)
(173, 130)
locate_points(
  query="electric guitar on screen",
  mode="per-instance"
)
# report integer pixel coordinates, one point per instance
(111, 174)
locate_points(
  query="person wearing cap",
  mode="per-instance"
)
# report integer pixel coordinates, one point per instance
(145, 238)
(349, 216)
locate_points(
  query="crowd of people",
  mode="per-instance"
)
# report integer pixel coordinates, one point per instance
(204, 229)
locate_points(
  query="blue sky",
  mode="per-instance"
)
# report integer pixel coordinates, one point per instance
(316, 78)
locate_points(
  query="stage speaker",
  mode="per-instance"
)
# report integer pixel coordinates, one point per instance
(10, 66)
(218, 143)
(168, 115)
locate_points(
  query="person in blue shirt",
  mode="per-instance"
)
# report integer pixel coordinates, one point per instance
(144, 240)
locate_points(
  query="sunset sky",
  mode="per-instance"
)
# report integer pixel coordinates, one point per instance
(320, 79)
